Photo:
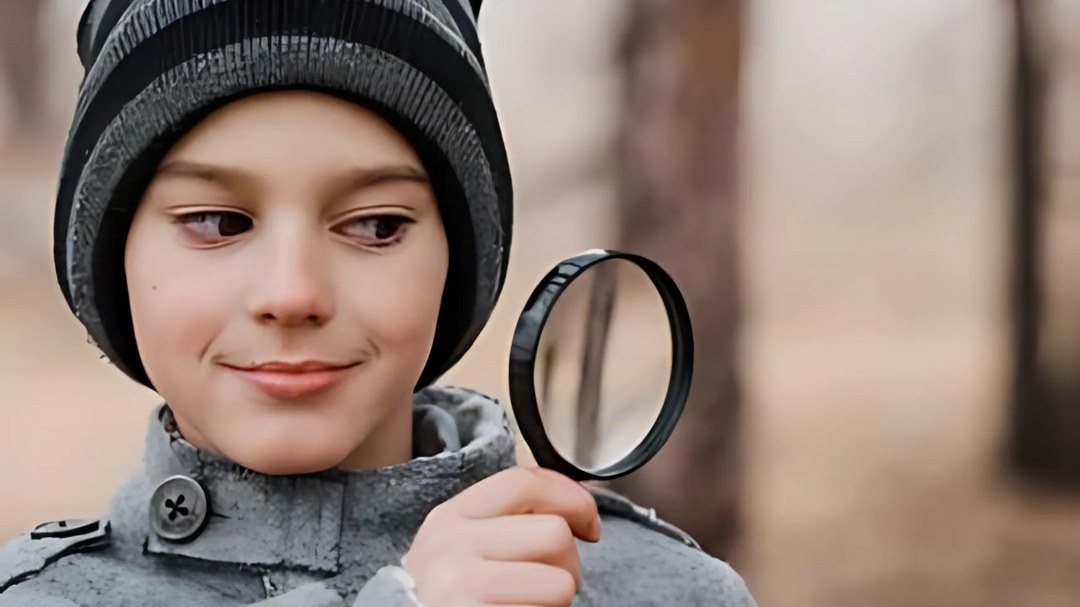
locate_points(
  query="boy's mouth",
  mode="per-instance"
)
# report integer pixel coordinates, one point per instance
(292, 379)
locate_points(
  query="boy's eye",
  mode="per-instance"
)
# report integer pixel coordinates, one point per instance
(215, 225)
(378, 231)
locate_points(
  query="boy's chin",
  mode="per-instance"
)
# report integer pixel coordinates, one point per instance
(278, 460)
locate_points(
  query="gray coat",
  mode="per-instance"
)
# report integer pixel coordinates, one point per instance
(325, 540)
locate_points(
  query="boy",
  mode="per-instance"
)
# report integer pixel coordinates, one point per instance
(289, 217)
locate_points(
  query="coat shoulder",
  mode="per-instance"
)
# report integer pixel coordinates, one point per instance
(93, 570)
(641, 556)
(27, 555)
(613, 504)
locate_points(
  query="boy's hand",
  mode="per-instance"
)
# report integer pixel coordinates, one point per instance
(507, 540)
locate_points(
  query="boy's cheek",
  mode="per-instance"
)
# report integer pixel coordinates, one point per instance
(175, 322)
(398, 304)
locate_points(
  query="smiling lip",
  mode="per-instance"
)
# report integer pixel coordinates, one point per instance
(292, 380)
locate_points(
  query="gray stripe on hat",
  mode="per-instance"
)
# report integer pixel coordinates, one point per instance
(144, 18)
(255, 64)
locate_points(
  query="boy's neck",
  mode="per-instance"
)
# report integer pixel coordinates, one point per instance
(388, 444)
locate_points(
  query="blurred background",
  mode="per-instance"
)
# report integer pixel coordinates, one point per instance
(871, 208)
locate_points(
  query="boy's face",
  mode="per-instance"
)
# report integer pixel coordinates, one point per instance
(285, 269)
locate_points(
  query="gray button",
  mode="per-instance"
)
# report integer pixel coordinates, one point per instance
(65, 528)
(179, 509)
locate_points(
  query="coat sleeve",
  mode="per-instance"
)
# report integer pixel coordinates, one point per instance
(391, 587)
(310, 595)
(728, 586)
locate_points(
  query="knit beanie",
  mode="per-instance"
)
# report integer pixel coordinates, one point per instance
(155, 68)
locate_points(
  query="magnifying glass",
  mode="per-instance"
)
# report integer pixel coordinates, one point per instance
(601, 365)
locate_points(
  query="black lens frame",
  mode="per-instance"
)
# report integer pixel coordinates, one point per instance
(526, 343)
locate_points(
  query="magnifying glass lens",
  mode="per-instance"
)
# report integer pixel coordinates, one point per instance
(601, 364)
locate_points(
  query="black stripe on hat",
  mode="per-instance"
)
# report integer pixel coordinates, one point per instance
(467, 25)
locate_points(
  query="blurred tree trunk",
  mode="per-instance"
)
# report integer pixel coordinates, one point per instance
(21, 54)
(678, 166)
(1046, 406)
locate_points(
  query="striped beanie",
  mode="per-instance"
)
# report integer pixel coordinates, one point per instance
(155, 68)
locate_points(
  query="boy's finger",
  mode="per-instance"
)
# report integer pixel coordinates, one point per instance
(525, 584)
(536, 538)
(524, 491)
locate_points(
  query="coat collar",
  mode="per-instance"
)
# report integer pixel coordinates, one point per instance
(328, 522)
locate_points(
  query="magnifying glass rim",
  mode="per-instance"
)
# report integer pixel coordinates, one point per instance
(526, 343)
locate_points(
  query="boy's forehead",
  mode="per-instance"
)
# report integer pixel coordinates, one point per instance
(337, 186)
(270, 126)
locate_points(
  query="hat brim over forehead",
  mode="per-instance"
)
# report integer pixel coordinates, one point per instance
(167, 64)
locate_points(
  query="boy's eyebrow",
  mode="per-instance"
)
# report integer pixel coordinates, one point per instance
(353, 180)
(356, 180)
(205, 172)
(360, 178)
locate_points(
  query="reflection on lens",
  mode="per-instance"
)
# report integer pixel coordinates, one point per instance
(603, 364)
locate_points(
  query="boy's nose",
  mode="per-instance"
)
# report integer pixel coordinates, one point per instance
(293, 288)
